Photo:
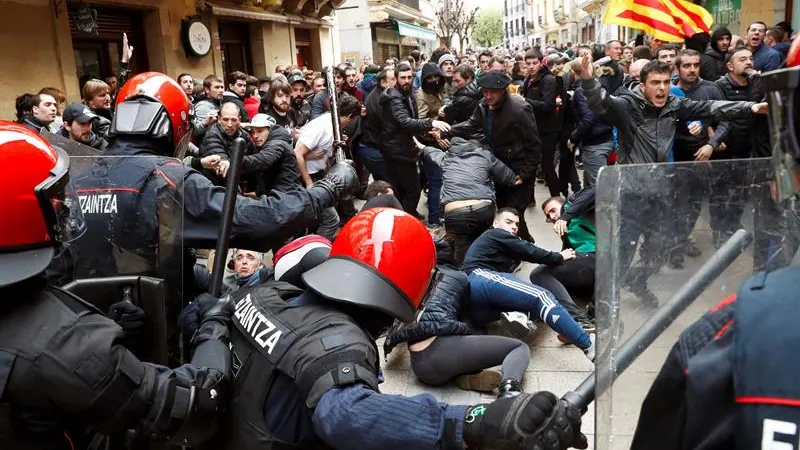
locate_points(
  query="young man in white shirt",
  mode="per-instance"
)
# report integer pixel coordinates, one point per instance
(314, 152)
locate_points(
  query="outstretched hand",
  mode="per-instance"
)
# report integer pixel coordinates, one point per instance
(587, 67)
(127, 50)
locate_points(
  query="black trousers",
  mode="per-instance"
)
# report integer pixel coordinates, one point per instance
(691, 187)
(549, 142)
(567, 281)
(517, 197)
(465, 224)
(405, 183)
(567, 174)
(651, 218)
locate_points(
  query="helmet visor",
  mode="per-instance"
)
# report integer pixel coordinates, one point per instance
(141, 115)
(784, 101)
(60, 205)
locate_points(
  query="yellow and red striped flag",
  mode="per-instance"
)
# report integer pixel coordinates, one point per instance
(666, 20)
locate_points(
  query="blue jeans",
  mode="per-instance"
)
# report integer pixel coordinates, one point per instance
(594, 157)
(372, 158)
(434, 175)
(491, 293)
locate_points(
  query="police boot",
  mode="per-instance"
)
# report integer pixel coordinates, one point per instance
(341, 180)
(509, 388)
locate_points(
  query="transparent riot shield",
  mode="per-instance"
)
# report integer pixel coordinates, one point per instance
(658, 228)
(132, 249)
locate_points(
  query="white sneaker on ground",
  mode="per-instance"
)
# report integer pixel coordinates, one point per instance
(589, 352)
(516, 323)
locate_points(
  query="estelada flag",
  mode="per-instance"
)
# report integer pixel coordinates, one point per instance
(666, 20)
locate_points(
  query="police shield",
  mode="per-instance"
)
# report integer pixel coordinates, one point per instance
(132, 249)
(661, 234)
(72, 148)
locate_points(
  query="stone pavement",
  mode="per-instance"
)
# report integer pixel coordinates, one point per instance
(553, 366)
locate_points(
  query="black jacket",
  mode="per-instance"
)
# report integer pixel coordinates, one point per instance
(463, 103)
(94, 140)
(442, 313)
(101, 125)
(513, 137)
(745, 136)
(687, 144)
(273, 166)
(540, 90)
(400, 123)
(589, 128)
(712, 62)
(217, 142)
(371, 126)
(499, 250)
(61, 355)
(31, 123)
(469, 171)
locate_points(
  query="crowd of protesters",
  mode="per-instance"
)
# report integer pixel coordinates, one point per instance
(476, 132)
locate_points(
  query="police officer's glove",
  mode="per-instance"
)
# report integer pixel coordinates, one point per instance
(528, 421)
(128, 316)
(341, 180)
(212, 308)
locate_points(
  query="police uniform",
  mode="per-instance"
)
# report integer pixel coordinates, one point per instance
(66, 381)
(728, 382)
(121, 196)
(316, 346)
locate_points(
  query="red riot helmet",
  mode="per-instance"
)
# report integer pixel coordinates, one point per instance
(40, 209)
(383, 259)
(783, 89)
(153, 105)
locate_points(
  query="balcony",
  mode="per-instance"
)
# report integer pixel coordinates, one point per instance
(559, 16)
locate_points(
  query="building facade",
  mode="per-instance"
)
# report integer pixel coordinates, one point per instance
(382, 29)
(515, 24)
(54, 43)
(554, 21)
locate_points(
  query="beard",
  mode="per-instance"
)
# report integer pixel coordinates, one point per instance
(405, 89)
(297, 102)
(282, 107)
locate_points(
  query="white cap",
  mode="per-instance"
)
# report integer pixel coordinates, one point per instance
(260, 121)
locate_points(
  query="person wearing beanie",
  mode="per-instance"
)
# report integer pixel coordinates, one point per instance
(712, 61)
(447, 63)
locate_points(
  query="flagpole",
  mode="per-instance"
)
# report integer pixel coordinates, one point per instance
(599, 34)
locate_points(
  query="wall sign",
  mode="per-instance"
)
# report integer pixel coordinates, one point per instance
(196, 38)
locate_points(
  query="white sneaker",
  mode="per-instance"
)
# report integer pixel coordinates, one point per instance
(589, 352)
(516, 323)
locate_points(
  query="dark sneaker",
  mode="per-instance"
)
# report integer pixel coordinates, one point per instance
(692, 251)
(646, 296)
(675, 261)
(509, 388)
(483, 381)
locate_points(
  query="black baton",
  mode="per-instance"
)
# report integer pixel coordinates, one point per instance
(228, 207)
(596, 383)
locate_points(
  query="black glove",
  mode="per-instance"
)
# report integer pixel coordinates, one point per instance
(528, 421)
(341, 180)
(128, 316)
(212, 308)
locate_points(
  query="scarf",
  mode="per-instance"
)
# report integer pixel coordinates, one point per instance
(254, 279)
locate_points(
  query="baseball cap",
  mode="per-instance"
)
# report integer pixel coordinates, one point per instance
(260, 121)
(297, 78)
(79, 112)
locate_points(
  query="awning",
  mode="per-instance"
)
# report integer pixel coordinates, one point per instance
(261, 15)
(407, 29)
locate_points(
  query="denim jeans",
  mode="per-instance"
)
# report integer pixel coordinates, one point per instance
(594, 157)
(372, 158)
(491, 293)
(433, 173)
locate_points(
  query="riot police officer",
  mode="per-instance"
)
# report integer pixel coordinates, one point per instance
(65, 378)
(152, 119)
(731, 380)
(307, 370)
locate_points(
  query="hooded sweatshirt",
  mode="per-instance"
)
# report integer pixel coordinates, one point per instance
(429, 96)
(712, 62)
